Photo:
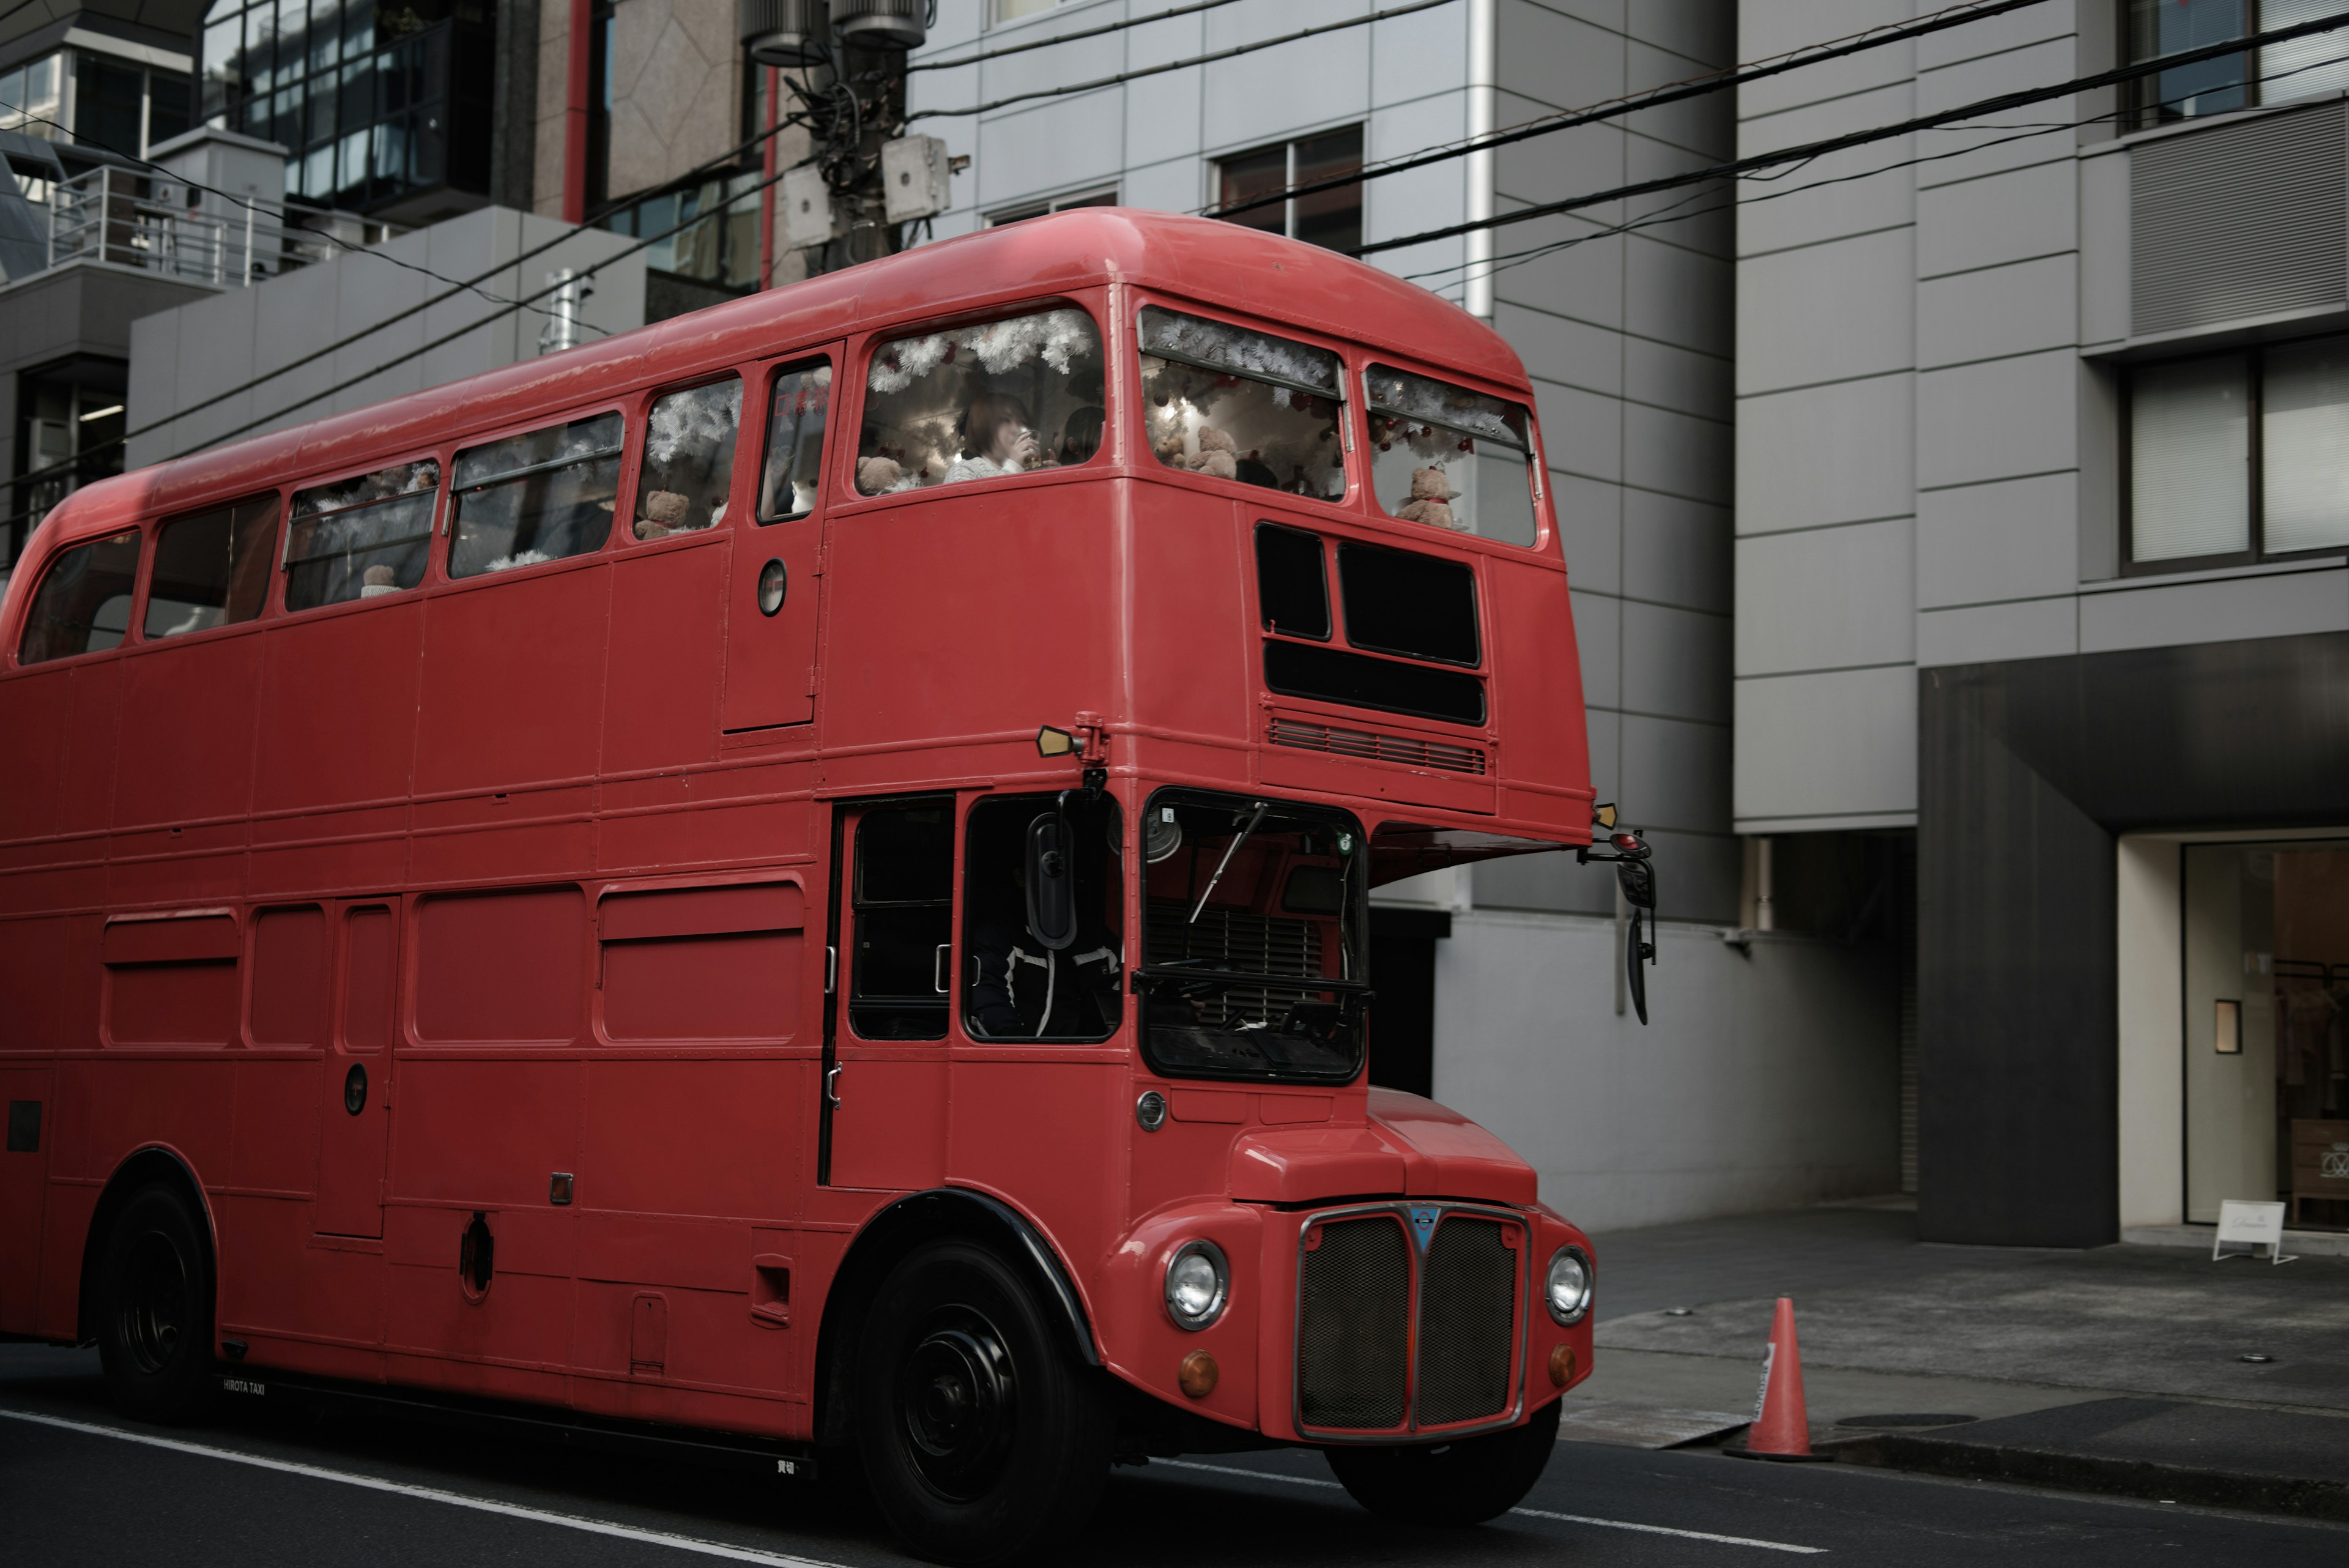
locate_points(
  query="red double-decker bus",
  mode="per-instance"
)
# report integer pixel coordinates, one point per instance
(802, 873)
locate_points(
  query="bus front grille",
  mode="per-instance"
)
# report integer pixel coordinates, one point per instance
(1384, 1346)
(1468, 1309)
(1353, 1325)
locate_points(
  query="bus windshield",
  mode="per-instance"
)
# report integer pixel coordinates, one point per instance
(1253, 949)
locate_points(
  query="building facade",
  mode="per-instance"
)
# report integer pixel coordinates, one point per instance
(2042, 501)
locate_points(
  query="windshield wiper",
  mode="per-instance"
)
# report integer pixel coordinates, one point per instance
(1254, 822)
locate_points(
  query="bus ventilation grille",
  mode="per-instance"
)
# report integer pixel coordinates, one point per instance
(1409, 751)
(1467, 1305)
(1353, 1325)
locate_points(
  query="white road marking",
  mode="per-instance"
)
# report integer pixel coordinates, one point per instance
(434, 1494)
(1528, 1512)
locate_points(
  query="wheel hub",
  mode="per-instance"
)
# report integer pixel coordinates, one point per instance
(957, 1398)
(153, 1307)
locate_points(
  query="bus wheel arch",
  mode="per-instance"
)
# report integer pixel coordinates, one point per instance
(153, 1166)
(885, 1240)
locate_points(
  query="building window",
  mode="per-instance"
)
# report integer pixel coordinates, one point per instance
(1001, 11)
(372, 103)
(94, 99)
(2240, 456)
(2301, 68)
(1331, 218)
(1057, 205)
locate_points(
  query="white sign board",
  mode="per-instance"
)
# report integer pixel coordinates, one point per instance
(2255, 1224)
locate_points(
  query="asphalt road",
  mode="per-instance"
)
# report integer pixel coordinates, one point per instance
(256, 1488)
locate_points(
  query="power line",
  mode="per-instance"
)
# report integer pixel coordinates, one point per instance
(377, 369)
(1136, 75)
(1651, 98)
(1066, 37)
(1806, 151)
(277, 213)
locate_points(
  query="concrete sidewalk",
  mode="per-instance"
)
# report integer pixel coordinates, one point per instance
(2119, 1369)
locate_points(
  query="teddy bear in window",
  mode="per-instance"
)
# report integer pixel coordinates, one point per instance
(665, 513)
(1431, 499)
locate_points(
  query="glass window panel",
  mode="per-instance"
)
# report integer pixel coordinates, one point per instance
(212, 569)
(166, 106)
(1232, 403)
(223, 66)
(84, 602)
(688, 466)
(362, 537)
(796, 420)
(2165, 26)
(1331, 218)
(1010, 10)
(2189, 456)
(325, 33)
(2305, 447)
(904, 914)
(1247, 175)
(1443, 455)
(2303, 67)
(1013, 987)
(536, 497)
(982, 402)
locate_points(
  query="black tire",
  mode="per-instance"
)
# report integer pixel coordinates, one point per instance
(982, 1437)
(154, 1292)
(1466, 1483)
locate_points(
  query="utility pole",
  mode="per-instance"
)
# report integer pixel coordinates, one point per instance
(868, 182)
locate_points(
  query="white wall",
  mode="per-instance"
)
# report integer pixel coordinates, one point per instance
(2150, 976)
(1766, 1080)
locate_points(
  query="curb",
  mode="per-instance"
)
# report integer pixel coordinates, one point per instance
(2300, 1496)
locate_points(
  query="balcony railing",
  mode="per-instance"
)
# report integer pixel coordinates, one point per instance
(129, 218)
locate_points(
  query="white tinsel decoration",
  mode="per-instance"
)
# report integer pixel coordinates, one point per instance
(1059, 338)
(698, 421)
(1219, 343)
(1471, 412)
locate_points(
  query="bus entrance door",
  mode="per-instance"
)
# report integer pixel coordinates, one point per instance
(771, 603)
(884, 1108)
(356, 1088)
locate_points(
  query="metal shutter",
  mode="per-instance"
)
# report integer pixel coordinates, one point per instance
(2242, 220)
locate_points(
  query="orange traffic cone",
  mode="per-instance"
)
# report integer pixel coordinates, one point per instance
(1781, 1429)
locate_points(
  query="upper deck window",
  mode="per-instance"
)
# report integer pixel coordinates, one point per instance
(84, 603)
(361, 537)
(980, 403)
(688, 467)
(212, 569)
(1444, 455)
(796, 420)
(1235, 404)
(536, 497)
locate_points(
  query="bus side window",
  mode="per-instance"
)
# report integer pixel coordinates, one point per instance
(980, 403)
(361, 537)
(688, 467)
(1014, 987)
(536, 497)
(904, 908)
(795, 417)
(84, 603)
(212, 569)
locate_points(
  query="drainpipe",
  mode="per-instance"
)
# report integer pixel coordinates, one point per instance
(574, 118)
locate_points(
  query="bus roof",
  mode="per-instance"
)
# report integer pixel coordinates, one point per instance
(1242, 269)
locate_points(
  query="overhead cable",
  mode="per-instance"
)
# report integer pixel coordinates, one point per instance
(1139, 72)
(1805, 151)
(1650, 98)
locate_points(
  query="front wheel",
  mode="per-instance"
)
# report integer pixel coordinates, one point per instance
(1464, 1482)
(155, 1307)
(981, 1437)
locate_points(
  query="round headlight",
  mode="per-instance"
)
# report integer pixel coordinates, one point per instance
(1569, 1289)
(1197, 1284)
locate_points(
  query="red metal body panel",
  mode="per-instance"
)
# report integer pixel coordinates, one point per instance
(546, 853)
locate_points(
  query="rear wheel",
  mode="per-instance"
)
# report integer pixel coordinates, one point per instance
(155, 1307)
(1465, 1482)
(981, 1437)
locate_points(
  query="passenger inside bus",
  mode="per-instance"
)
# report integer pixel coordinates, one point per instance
(1080, 437)
(967, 403)
(1015, 986)
(1232, 403)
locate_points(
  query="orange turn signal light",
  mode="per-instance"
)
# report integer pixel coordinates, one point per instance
(1198, 1375)
(1561, 1366)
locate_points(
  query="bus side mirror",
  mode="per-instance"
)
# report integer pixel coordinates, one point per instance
(1639, 882)
(1051, 882)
